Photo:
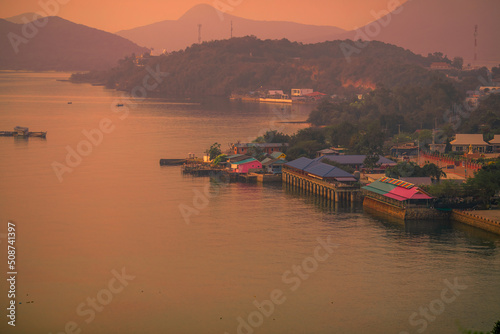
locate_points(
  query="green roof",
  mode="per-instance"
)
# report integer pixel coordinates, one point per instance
(380, 187)
(244, 161)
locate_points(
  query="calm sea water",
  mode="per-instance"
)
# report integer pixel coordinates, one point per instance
(195, 256)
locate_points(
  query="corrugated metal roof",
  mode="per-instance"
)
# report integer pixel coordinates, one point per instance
(324, 170)
(346, 179)
(245, 161)
(354, 159)
(300, 163)
(276, 155)
(396, 192)
(381, 186)
(269, 161)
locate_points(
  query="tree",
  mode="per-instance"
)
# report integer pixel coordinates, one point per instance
(486, 182)
(404, 169)
(433, 171)
(219, 158)
(274, 136)
(371, 160)
(214, 151)
(458, 63)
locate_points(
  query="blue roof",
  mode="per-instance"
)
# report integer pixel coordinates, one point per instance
(300, 163)
(354, 159)
(319, 169)
(324, 170)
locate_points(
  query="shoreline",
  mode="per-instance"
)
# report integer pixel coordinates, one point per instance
(488, 222)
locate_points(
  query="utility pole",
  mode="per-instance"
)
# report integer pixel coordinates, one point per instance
(475, 42)
(199, 33)
(397, 143)
(418, 151)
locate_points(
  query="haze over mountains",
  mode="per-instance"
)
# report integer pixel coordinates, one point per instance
(174, 35)
(423, 26)
(427, 26)
(60, 45)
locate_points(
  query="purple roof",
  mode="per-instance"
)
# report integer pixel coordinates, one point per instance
(354, 159)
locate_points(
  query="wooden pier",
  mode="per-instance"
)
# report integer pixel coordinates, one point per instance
(23, 132)
(336, 192)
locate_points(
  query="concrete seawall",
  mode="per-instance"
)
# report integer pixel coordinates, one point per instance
(475, 219)
(409, 213)
(384, 208)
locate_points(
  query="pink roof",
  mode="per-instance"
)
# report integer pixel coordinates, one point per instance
(402, 194)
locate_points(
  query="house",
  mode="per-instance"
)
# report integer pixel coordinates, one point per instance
(275, 93)
(246, 166)
(487, 90)
(407, 149)
(331, 151)
(400, 199)
(278, 155)
(356, 161)
(269, 148)
(273, 166)
(495, 143)
(469, 143)
(300, 92)
(319, 170)
(440, 66)
(235, 158)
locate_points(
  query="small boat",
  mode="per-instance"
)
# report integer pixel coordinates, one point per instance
(172, 162)
(70, 102)
(119, 104)
(21, 131)
(41, 134)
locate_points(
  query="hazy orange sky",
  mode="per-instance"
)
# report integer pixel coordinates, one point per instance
(115, 15)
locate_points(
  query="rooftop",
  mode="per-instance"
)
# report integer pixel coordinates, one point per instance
(244, 161)
(397, 189)
(495, 140)
(469, 139)
(317, 168)
(260, 144)
(354, 159)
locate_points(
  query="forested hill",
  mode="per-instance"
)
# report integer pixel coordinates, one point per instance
(239, 65)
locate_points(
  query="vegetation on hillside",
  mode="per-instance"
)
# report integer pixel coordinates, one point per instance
(240, 65)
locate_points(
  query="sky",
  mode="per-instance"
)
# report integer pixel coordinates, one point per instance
(115, 15)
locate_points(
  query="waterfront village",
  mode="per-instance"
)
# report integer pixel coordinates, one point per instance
(408, 184)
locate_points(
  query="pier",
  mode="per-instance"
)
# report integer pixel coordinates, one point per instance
(23, 132)
(336, 192)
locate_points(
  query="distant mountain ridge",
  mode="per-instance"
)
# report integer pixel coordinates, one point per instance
(447, 26)
(21, 18)
(174, 35)
(53, 43)
(422, 26)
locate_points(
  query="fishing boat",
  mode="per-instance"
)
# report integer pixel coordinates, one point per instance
(41, 134)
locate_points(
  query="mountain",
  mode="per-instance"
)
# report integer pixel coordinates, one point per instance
(447, 26)
(240, 65)
(53, 43)
(174, 35)
(22, 18)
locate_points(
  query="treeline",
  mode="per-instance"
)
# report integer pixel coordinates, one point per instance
(240, 65)
(410, 108)
(366, 138)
